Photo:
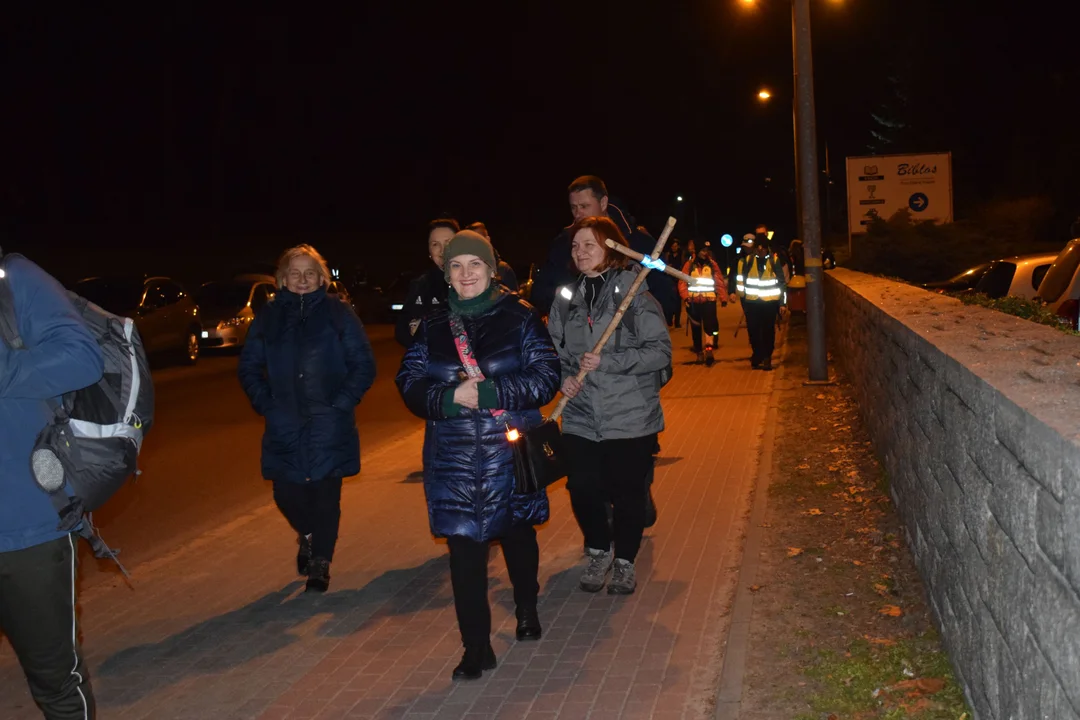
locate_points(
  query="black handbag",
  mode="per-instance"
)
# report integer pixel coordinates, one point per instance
(538, 457)
(538, 452)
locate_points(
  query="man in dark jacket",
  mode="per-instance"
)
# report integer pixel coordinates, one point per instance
(427, 293)
(505, 273)
(37, 561)
(589, 198)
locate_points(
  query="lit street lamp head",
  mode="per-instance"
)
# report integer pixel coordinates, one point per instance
(764, 95)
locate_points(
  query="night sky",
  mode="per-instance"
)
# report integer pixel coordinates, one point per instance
(191, 139)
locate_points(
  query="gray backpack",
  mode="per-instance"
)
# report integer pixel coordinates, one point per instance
(90, 447)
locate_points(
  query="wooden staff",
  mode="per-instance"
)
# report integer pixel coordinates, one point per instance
(697, 282)
(623, 307)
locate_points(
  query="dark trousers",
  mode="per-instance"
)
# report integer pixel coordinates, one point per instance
(469, 578)
(313, 509)
(37, 614)
(702, 318)
(761, 327)
(615, 472)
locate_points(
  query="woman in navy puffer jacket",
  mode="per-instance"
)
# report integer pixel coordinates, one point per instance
(305, 366)
(468, 462)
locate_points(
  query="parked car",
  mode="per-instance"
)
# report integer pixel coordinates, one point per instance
(1015, 277)
(165, 315)
(227, 309)
(1060, 289)
(336, 287)
(964, 281)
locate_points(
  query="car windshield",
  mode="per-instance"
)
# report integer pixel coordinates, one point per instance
(117, 295)
(223, 295)
(997, 280)
(1060, 275)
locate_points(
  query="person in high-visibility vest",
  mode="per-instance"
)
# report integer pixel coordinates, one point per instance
(760, 284)
(701, 304)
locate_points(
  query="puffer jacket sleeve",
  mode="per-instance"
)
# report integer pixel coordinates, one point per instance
(536, 383)
(359, 361)
(421, 393)
(654, 353)
(252, 366)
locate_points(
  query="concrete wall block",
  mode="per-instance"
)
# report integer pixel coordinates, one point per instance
(1010, 586)
(1036, 446)
(993, 647)
(1055, 623)
(950, 509)
(1050, 529)
(1070, 515)
(1043, 696)
(1013, 502)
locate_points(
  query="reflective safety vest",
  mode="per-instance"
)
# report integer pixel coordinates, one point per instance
(754, 283)
(697, 293)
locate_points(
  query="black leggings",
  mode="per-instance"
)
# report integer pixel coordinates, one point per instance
(312, 509)
(702, 317)
(469, 577)
(616, 472)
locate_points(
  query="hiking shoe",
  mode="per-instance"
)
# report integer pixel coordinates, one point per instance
(318, 575)
(595, 575)
(767, 365)
(623, 580)
(709, 357)
(303, 555)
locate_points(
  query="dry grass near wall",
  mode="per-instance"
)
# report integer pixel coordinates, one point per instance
(840, 625)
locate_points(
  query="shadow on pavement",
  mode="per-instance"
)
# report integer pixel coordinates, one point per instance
(264, 627)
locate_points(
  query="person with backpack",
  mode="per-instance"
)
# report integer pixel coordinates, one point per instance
(612, 421)
(55, 354)
(305, 367)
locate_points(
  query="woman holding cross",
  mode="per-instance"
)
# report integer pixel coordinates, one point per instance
(611, 423)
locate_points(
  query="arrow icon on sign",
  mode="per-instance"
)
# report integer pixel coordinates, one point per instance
(918, 202)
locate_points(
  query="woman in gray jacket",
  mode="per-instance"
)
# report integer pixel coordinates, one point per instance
(611, 424)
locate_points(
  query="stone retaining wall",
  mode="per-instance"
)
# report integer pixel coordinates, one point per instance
(976, 416)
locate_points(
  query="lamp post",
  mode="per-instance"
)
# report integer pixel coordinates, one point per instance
(806, 163)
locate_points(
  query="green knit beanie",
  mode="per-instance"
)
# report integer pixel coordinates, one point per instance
(467, 242)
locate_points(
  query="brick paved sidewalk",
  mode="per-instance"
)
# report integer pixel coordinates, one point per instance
(220, 628)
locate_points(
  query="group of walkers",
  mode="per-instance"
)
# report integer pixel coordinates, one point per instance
(479, 364)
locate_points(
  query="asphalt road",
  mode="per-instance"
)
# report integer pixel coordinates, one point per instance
(200, 461)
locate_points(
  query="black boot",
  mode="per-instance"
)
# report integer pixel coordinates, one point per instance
(303, 555)
(318, 575)
(474, 662)
(528, 624)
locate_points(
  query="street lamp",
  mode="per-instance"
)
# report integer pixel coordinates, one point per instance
(764, 95)
(806, 163)
(678, 198)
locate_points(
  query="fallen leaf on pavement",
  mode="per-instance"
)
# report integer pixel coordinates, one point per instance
(820, 397)
(891, 611)
(803, 467)
(812, 429)
(835, 450)
(833, 468)
(881, 589)
(755, 588)
(794, 552)
(813, 511)
(856, 562)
